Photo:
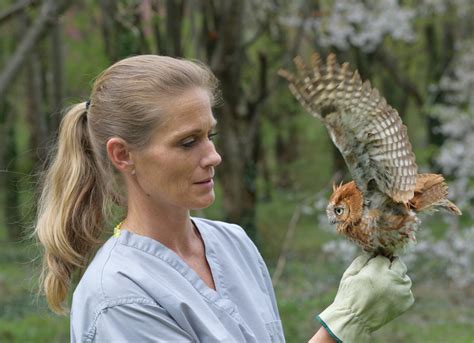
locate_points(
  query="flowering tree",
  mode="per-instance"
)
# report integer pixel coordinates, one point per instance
(364, 25)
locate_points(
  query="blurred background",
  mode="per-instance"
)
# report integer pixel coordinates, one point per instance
(278, 162)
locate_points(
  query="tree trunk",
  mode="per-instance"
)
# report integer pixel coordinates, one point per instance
(57, 86)
(160, 43)
(38, 126)
(174, 18)
(286, 150)
(13, 220)
(265, 171)
(4, 112)
(238, 118)
(210, 24)
(109, 11)
(119, 30)
(287, 141)
(143, 47)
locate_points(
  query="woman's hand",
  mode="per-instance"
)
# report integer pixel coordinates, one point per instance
(372, 292)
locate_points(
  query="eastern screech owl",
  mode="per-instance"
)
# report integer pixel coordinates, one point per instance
(378, 209)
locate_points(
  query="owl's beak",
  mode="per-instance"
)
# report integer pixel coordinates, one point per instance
(331, 216)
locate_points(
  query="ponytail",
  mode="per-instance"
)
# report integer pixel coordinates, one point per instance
(71, 208)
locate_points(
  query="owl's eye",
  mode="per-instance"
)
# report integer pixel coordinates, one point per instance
(339, 211)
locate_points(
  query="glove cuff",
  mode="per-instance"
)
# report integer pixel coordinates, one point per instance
(343, 325)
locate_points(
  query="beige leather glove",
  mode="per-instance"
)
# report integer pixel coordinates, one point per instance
(372, 292)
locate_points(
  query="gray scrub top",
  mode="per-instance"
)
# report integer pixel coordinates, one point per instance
(138, 290)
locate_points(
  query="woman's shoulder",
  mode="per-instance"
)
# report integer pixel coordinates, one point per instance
(98, 285)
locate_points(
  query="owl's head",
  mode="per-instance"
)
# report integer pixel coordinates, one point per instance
(345, 204)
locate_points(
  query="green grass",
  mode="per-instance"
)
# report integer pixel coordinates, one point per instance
(23, 316)
(35, 327)
(442, 312)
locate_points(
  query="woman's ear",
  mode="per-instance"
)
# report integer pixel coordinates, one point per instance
(119, 153)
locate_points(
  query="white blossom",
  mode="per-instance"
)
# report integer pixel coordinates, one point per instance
(341, 249)
(426, 8)
(459, 83)
(456, 156)
(362, 24)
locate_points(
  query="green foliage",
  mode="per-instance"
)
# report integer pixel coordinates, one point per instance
(23, 316)
(35, 327)
(85, 53)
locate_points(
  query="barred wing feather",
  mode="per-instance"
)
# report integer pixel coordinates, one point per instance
(367, 131)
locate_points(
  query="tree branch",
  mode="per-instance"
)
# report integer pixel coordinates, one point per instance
(286, 245)
(262, 82)
(57, 76)
(262, 28)
(16, 8)
(48, 14)
(252, 113)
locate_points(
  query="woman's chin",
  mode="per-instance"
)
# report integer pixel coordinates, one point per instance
(204, 202)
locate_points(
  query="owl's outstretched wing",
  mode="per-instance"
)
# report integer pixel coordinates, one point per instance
(367, 131)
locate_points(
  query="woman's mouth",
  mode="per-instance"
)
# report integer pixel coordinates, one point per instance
(207, 182)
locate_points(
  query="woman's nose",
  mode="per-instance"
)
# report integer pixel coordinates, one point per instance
(212, 157)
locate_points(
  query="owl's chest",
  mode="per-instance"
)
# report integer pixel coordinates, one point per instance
(383, 230)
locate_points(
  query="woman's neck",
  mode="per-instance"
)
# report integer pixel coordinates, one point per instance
(171, 226)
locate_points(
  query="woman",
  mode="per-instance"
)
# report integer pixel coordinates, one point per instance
(144, 142)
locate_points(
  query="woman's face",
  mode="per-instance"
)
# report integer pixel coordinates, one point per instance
(177, 167)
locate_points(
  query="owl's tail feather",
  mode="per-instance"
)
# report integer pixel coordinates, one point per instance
(431, 194)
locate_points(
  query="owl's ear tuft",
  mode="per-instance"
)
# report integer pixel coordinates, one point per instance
(336, 187)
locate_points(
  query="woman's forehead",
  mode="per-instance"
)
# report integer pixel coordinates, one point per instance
(188, 111)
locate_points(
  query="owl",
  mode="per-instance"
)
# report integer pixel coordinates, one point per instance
(378, 209)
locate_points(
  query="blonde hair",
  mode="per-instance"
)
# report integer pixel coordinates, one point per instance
(78, 188)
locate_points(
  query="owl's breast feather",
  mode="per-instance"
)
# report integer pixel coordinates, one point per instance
(389, 229)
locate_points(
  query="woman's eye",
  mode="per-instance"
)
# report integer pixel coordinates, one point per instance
(191, 141)
(212, 135)
(188, 143)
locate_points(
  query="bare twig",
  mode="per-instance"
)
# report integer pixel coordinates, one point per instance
(286, 244)
(292, 225)
(16, 8)
(57, 75)
(48, 14)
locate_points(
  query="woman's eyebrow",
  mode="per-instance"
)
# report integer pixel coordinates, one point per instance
(196, 131)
